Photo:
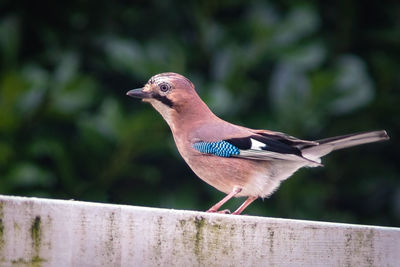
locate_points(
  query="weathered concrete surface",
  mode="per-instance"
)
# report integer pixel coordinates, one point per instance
(42, 232)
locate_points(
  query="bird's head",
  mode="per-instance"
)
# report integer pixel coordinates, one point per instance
(171, 94)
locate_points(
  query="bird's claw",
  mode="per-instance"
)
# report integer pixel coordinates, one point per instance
(226, 211)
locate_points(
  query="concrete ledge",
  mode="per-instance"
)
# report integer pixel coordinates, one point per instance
(43, 232)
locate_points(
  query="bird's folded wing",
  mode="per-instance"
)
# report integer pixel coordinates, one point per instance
(256, 147)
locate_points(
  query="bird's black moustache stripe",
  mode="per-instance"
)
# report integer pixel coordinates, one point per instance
(163, 99)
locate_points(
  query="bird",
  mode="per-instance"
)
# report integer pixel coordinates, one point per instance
(239, 161)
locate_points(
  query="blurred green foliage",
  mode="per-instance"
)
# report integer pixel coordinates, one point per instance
(309, 68)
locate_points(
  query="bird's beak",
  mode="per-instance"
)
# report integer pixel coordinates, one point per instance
(138, 93)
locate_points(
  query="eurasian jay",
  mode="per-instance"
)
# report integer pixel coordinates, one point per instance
(238, 161)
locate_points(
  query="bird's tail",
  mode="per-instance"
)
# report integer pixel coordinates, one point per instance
(328, 145)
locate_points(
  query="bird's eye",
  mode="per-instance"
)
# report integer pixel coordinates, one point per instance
(164, 87)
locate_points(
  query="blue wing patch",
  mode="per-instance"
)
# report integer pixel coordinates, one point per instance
(220, 148)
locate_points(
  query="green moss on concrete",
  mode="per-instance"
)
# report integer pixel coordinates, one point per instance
(2, 239)
(36, 235)
(199, 223)
(34, 262)
(199, 234)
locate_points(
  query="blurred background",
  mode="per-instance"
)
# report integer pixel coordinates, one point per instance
(312, 69)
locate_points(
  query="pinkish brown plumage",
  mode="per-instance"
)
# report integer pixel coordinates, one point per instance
(235, 160)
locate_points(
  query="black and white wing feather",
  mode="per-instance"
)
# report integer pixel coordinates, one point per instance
(263, 147)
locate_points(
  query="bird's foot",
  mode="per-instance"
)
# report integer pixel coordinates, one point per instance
(226, 211)
(236, 213)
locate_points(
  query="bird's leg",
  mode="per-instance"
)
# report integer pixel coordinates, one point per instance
(248, 201)
(216, 207)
